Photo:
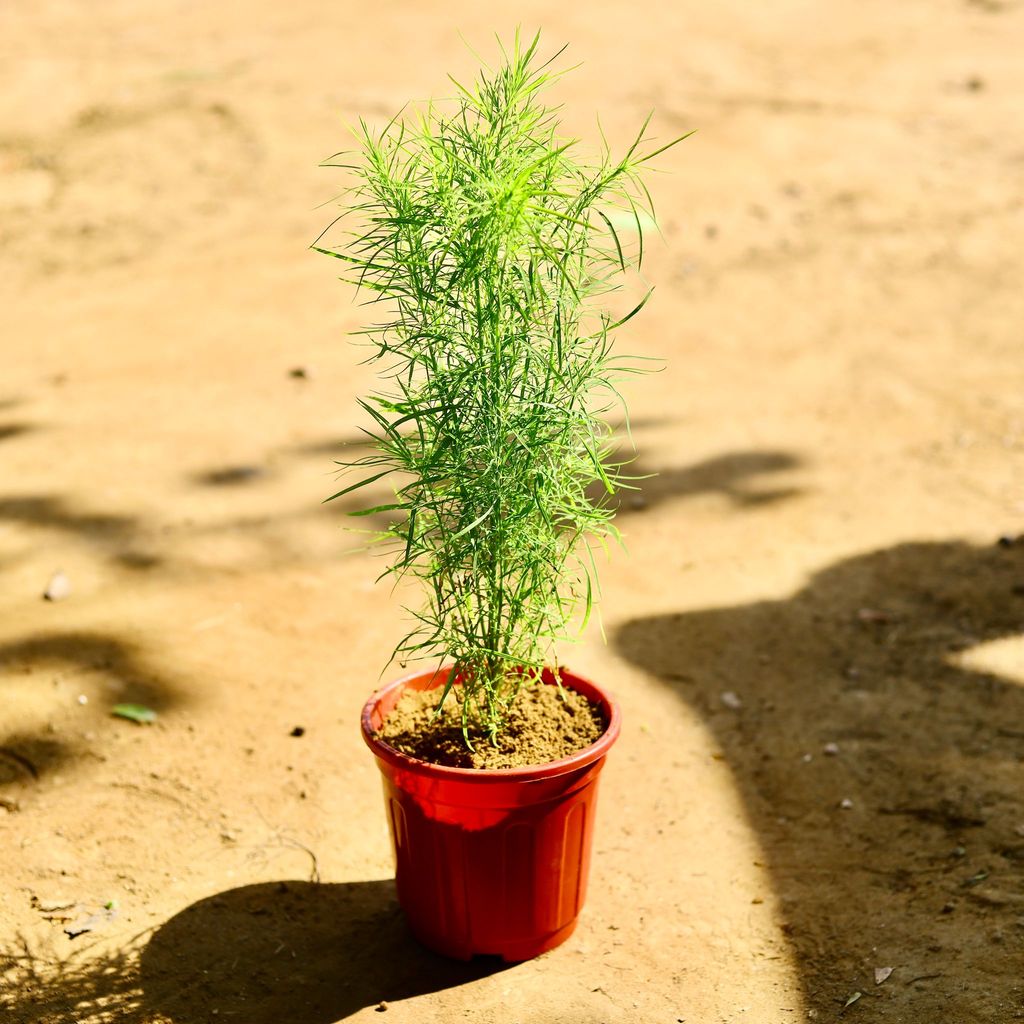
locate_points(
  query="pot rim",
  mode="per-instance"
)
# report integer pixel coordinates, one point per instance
(529, 773)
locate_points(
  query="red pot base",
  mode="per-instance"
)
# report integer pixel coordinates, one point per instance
(511, 953)
(490, 862)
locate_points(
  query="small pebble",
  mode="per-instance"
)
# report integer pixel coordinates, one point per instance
(58, 588)
(301, 372)
(845, 804)
(82, 699)
(731, 700)
(831, 749)
(382, 1006)
(297, 731)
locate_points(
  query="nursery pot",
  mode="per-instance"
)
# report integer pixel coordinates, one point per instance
(490, 861)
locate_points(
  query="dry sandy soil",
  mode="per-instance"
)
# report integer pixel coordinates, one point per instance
(839, 438)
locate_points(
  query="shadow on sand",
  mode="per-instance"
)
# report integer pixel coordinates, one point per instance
(879, 766)
(116, 537)
(27, 755)
(12, 430)
(743, 478)
(295, 952)
(734, 475)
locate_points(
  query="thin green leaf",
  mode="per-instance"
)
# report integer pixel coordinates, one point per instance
(358, 484)
(138, 713)
(633, 312)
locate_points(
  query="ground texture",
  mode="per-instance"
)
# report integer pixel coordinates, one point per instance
(815, 807)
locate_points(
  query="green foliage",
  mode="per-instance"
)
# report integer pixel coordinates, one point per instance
(135, 713)
(489, 243)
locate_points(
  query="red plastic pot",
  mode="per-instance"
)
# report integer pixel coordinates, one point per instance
(496, 861)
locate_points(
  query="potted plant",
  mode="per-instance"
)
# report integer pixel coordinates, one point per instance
(490, 246)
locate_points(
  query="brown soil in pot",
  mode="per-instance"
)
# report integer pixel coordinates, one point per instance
(544, 724)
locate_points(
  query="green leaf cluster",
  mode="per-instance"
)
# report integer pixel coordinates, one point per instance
(490, 244)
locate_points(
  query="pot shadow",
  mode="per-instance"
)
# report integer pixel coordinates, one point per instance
(880, 766)
(301, 952)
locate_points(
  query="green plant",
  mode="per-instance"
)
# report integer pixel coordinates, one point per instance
(490, 244)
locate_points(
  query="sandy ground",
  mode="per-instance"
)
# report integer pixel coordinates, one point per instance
(840, 441)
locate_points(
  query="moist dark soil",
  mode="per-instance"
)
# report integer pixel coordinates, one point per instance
(544, 724)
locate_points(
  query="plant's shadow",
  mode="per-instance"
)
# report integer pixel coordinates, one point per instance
(295, 952)
(880, 768)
